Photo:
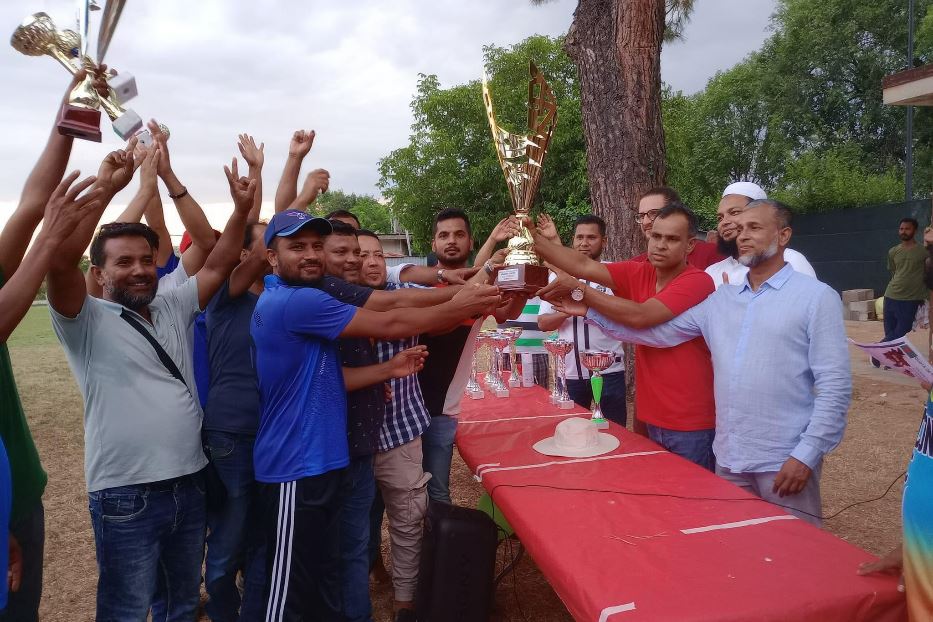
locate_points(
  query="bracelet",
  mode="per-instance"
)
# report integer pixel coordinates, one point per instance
(440, 276)
(488, 267)
(175, 197)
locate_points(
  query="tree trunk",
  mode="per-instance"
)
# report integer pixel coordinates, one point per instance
(616, 46)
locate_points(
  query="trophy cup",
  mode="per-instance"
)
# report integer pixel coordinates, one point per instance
(80, 117)
(473, 388)
(499, 340)
(597, 361)
(521, 158)
(513, 333)
(560, 348)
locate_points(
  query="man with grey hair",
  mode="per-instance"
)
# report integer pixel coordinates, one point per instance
(735, 198)
(780, 364)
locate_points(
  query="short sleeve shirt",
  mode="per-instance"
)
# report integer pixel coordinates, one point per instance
(233, 398)
(141, 424)
(906, 266)
(303, 420)
(675, 385)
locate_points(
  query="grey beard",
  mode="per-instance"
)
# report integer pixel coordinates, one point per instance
(132, 301)
(750, 261)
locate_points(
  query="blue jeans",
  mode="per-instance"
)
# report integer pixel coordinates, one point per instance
(613, 397)
(438, 447)
(29, 531)
(235, 540)
(899, 317)
(693, 445)
(358, 495)
(149, 540)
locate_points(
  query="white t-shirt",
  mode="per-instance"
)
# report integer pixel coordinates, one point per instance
(174, 278)
(737, 271)
(585, 337)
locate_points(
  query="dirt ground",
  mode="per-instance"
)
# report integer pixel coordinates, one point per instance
(883, 423)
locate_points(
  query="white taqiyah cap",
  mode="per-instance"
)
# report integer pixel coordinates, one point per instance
(746, 189)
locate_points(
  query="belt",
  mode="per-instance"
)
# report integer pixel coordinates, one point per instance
(166, 485)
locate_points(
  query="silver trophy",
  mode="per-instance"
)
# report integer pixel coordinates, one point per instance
(473, 388)
(499, 341)
(560, 348)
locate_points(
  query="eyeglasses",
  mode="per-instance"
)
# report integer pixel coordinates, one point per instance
(651, 214)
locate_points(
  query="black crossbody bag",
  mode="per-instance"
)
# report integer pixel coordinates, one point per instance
(215, 492)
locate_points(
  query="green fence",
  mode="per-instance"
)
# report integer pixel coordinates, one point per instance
(849, 248)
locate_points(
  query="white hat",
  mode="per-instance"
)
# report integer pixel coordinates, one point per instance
(576, 438)
(746, 189)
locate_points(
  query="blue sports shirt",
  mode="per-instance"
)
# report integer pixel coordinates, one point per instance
(303, 421)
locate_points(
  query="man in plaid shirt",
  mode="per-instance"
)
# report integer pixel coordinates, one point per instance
(398, 467)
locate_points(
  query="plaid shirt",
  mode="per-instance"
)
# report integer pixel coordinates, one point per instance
(406, 416)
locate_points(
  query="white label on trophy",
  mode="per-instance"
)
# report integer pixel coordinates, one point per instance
(505, 276)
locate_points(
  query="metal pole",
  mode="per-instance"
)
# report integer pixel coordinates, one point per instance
(909, 151)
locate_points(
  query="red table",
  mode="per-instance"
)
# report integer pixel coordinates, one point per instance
(715, 553)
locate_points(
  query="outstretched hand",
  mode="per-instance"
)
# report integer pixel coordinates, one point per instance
(301, 143)
(408, 362)
(505, 229)
(892, 563)
(253, 155)
(559, 288)
(66, 209)
(569, 306)
(242, 189)
(117, 168)
(160, 140)
(317, 182)
(547, 229)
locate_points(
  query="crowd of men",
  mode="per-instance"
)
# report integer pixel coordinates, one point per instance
(275, 392)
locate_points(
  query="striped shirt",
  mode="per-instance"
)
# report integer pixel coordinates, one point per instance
(406, 416)
(531, 341)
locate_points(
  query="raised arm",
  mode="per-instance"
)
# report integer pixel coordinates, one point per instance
(42, 180)
(64, 211)
(684, 327)
(298, 148)
(382, 300)
(632, 314)
(503, 230)
(573, 262)
(255, 157)
(155, 218)
(250, 268)
(316, 182)
(148, 186)
(226, 254)
(405, 363)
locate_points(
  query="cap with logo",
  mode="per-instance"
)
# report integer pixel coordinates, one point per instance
(291, 221)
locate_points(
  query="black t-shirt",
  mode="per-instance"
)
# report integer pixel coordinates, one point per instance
(440, 367)
(366, 409)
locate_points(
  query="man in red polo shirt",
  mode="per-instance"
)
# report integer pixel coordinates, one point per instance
(674, 395)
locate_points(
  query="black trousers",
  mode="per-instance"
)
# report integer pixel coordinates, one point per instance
(302, 524)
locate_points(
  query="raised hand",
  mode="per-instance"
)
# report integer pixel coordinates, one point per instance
(66, 209)
(242, 189)
(148, 163)
(547, 229)
(301, 143)
(253, 155)
(408, 362)
(505, 229)
(160, 140)
(117, 168)
(317, 182)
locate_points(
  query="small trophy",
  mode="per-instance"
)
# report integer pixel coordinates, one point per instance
(560, 348)
(499, 341)
(473, 388)
(80, 117)
(514, 377)
(597, 361)
(521, 158)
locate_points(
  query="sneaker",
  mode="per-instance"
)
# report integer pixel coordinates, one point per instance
(405, 615)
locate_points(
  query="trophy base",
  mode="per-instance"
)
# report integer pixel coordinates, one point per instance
(83, 123)
(523, 278)
(476, 395)
(553, 400)
(601, 424)
(515, 383)
(127, 124)
(567, 405)
(502, 392)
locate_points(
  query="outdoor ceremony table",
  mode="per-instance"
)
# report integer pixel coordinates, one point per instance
(707, 552)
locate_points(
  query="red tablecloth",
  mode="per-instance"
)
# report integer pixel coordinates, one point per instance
(639, 556)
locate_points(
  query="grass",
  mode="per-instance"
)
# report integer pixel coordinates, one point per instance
(34, 330)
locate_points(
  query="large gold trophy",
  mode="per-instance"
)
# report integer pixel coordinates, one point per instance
(521, 158)
(80, 116)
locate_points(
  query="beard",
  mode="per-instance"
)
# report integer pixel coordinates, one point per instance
(729, 248)
(751, 261)
(134, 302)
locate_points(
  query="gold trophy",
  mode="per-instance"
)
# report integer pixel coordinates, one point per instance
(521, 158)
(80, 117)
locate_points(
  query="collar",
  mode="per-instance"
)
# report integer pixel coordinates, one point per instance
(117, 309)
(777, 280)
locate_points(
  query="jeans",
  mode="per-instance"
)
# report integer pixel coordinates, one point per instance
(149, 540)
(612, 402)
(376, 513)
(29, 531)
(235, 540)
(899, 317)
(693, 445)
(806, 505)
(359, 491)
(438, 448)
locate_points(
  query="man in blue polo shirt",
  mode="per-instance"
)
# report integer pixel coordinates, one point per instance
(301, 451)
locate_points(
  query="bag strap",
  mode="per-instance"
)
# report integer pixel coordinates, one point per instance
(160, 351)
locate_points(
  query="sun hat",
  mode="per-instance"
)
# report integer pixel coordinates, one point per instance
(576, 438)
(290, 221)
(746, 189)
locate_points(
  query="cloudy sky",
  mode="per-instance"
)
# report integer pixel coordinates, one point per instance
(210, 69)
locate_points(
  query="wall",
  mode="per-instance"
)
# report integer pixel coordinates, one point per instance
(849, 248)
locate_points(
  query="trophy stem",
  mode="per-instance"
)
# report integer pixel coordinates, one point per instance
(598, 418)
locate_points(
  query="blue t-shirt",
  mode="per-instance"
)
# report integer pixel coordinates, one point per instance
(233, 397)
(202, 361)
(303, 420)
(170, 264)
(6, 501)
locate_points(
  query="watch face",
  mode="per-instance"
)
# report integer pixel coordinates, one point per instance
(577, 294)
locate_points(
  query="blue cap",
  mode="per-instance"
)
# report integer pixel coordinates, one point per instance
(290, 221)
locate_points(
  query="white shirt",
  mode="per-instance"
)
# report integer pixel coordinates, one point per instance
(584, 336)
(174, 278)
(737, 271)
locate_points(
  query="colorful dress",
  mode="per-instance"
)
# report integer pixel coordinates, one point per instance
(918, 523)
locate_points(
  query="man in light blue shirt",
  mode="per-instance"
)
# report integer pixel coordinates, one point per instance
(780, 364)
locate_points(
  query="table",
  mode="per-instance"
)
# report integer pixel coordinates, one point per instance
(620, 551)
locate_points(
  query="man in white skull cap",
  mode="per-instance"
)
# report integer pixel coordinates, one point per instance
(735, 198)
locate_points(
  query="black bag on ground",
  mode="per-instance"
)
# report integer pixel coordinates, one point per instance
(458, 563)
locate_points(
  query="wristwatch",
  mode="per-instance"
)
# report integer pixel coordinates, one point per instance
(440, 276)
(577, 294)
